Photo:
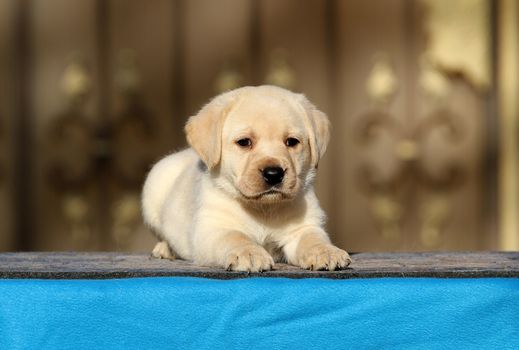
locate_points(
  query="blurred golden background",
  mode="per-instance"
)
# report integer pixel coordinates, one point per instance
(422, 95)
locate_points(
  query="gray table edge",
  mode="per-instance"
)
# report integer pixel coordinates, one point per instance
(112, 265)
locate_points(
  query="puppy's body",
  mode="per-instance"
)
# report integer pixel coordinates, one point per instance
(216, 205)
(171, 199)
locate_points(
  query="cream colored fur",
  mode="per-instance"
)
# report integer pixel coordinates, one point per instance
(210, 203)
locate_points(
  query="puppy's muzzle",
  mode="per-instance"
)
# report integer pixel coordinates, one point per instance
(273, 175)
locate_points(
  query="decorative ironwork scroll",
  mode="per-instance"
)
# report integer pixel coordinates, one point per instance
(119, 151)
(388, 190)
(279, 71)
(229, 77)
(70, 140)
(459, 38)
(133, 135)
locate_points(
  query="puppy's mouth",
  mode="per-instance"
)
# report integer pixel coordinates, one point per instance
(272, 194)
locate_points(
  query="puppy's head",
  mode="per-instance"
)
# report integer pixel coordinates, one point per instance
(261, 144)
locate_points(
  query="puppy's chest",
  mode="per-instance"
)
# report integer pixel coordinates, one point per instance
(267, 230)
(268, 237)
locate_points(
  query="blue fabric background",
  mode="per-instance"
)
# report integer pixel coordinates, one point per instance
(260, 313)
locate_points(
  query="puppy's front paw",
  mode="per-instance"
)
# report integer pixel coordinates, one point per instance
(249, 258)
(162, 251)
(324, 257)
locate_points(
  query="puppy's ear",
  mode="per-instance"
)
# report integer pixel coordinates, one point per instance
(204, 130)
(319, 130)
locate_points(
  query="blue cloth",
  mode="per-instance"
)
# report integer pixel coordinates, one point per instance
(260, 313)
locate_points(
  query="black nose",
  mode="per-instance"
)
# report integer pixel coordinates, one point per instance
(273, 175)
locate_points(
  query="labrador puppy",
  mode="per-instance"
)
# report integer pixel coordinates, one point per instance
(242, 196)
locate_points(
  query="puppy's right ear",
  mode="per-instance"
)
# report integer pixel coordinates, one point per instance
(204, 130)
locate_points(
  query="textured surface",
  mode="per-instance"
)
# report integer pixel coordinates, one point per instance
(365, 265)
(260, 313)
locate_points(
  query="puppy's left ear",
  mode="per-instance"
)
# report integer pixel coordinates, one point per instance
(204, 130)
(319, 130)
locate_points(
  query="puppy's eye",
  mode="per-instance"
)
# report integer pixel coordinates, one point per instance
(291, 142)
(245, 142)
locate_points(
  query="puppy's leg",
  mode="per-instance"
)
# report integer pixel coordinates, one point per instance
(237, 252)
(311, 249)
(163, 251)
